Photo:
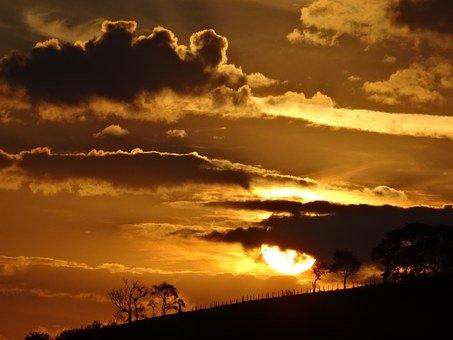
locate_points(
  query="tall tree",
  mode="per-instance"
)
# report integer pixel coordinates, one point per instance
(319, 270)
(169, 297)
(345, 263)
(129, 301)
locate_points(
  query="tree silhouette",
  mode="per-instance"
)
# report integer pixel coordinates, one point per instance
(345, 263)
(415, 250)
(169, 297)
(445, 249)
(181, 305)
(152, 302)
(319, 270)
(129, 301)
(38, 336)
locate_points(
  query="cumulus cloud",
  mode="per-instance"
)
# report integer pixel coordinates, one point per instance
(111, 130)
(320, 227)
(120, 64)
(176, 133)
(325, 22)
(419, 83)
(91, 173)
(121, 73)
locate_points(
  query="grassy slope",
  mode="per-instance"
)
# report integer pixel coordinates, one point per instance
(416, 310)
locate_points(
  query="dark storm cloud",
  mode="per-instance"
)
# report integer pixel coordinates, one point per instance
(435, 15)
(326, 226)
(119, 65)
(138, 169)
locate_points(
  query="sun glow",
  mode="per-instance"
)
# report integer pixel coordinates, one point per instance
(289, 261)
(287, 192)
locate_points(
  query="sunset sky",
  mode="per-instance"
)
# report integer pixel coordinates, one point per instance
(171, 139)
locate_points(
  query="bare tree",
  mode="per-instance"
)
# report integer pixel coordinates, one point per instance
(319, 270)
(129, 301)
(169, 297)
(345, 263)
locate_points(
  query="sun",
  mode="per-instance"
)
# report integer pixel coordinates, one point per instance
(288, 262)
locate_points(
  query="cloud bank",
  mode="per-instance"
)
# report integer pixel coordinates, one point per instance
(318, 228)
(100, 172)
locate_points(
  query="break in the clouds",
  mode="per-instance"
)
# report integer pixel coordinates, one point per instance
(100, 172)
(320, 227)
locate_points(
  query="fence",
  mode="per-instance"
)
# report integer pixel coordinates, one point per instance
(288, 292)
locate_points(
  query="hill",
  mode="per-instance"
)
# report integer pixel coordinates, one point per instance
(419, 310)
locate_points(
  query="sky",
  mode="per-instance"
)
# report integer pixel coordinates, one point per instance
(167, 140)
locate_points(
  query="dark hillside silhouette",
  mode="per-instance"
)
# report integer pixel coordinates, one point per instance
(417, 309)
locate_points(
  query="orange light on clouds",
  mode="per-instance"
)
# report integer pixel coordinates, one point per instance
(288, 262)
(281, 192)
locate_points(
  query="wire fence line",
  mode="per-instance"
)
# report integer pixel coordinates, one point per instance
(287, 292)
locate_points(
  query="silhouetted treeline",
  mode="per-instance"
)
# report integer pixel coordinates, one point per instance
(415, 250)
(38, 336)
(344, 263)
(134, 301)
